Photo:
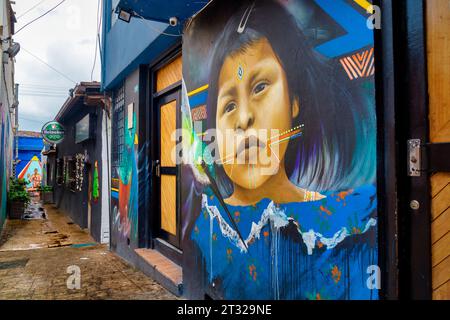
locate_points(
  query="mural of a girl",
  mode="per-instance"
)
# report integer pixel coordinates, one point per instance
(308, 229)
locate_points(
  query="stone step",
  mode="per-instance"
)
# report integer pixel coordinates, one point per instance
(161, 269)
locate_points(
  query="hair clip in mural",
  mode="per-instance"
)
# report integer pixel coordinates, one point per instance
(245, 17)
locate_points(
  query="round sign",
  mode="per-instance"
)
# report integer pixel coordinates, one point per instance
(53, 132)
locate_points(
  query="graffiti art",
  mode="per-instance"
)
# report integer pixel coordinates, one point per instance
(32, 172)
(124, 191)
(279, 196)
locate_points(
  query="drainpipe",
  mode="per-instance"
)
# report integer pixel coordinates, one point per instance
(16, 116)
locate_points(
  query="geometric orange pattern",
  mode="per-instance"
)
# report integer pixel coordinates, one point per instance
(359, 65)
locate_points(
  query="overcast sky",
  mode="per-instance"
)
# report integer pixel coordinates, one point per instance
(65, 39)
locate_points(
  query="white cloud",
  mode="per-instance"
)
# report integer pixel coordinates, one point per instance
(65, 39)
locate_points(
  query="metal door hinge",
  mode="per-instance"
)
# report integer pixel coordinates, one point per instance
(428, 157)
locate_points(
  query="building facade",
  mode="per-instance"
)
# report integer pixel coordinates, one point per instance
(77, 167)
(8, 105)
(254, 148)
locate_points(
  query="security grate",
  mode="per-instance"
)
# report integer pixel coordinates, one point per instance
(118, 136)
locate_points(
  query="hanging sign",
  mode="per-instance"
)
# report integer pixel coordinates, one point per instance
(53, 132)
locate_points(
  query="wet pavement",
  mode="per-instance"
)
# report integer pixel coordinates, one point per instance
(40, 259)
(34, 211)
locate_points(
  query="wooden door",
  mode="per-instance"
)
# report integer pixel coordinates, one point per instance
(167, 101)
(167, 169)
(438, 50)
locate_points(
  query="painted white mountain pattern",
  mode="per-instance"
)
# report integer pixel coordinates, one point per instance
(329, 243)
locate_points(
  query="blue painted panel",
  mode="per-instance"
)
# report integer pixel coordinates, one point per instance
(28, 147)
(163, 10)
(30, 143)
(358, 34)
(128, 45)
(198, 99)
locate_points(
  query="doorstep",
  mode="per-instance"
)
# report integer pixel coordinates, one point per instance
(161, 269)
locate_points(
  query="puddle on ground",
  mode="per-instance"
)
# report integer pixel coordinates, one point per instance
(35, 211)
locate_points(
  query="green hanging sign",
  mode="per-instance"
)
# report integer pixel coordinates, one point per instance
(53, 132)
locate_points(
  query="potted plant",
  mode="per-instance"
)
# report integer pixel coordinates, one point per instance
(46, 193)
(18, 198)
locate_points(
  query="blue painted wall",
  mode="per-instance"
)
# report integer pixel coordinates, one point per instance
(128, 45)
(27, 149)
(6, 143)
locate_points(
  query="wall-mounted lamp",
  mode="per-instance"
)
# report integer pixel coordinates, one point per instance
(125, 15)
(13, 50)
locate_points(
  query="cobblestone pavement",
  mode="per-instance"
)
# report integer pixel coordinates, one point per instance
(35, 256)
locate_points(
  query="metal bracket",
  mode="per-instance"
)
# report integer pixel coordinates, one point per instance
(438, 157)
(414, 158)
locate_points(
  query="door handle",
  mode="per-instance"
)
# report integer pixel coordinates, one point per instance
(158, 169)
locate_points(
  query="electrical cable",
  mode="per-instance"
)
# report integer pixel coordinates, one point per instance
(41, 16)
(42, 85)
(60, 94)
(49, 88)
(44, 89)
(36, 5)
(31, 120)
(40, 95)
(30, 89)
(54, 69)
(96, 42)
(44, 94)
(153, 28)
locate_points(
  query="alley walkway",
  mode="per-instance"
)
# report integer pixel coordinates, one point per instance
(35, 256)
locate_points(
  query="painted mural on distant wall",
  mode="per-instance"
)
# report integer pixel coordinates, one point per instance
(32, 172)
(291, 214)
(124, 191)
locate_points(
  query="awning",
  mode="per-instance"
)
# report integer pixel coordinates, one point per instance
(162, 10)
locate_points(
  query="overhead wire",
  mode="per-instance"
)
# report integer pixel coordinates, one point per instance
(29, 10)
(96, 38)
(41, 16)
(42, 85)
(41, 95)
(48, 65)
(44, 89)
(32, 120)
(155, 29)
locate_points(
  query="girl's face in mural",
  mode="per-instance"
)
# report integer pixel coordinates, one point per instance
(253, 95)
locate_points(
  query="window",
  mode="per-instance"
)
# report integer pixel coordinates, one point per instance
(59, 171)
(70, 173)
(118, 127)
(50, 172)
(83, 129)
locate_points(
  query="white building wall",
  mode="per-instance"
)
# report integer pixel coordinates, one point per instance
(106, 169)
(7, 65)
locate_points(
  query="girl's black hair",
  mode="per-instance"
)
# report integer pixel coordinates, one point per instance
(337, 149)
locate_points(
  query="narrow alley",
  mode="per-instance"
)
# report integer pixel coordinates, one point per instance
(37, 257)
